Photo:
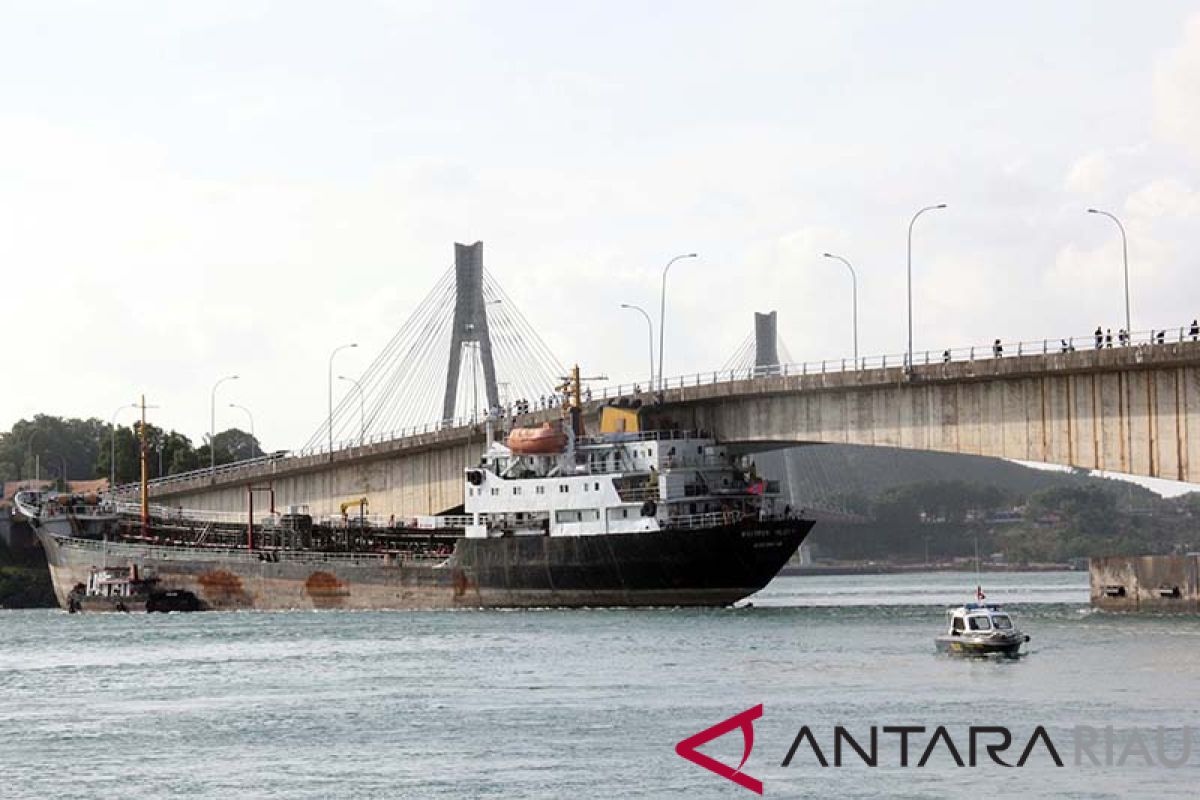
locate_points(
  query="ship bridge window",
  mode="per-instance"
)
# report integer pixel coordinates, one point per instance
(956, 627)
(1002, 622)
(577, 515)
(979, 623)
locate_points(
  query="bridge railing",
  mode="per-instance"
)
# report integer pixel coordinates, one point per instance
(338, 446)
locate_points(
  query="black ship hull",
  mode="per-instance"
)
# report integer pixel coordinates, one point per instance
(711, 566)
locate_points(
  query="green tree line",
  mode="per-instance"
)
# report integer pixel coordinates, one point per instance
(80, 449)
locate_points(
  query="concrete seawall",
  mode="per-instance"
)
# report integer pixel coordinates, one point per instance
(1146, 583)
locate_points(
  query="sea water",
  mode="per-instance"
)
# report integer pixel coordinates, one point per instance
(590, 703)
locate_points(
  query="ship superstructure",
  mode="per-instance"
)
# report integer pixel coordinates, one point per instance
(613, 483)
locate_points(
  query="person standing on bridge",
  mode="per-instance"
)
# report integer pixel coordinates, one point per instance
(1123, 337)
(1108, 338)
(997, 349)
(1099, 337)
(1195, 331)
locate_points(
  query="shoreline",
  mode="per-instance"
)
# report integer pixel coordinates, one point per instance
(901, 569)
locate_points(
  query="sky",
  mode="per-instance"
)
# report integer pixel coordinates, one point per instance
(193, 190)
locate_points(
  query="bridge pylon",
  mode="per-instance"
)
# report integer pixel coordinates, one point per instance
(470, 326)
(766, 348)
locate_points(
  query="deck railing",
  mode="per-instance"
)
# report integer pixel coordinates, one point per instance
(192, 553)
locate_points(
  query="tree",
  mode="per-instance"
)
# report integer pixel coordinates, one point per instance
(235, 445)
(54, 442)
(87, 446)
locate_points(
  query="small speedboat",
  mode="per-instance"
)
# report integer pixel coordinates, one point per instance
(980, 629)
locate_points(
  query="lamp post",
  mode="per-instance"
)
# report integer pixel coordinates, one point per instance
(854, 300)
(650, 333)
(29, 457)
(212, 424)
(909, 365)
(248, 415)
(362, 409)
(112, 448)
(1125, 256)
(662, 313)
(63, 460)
(336, 350)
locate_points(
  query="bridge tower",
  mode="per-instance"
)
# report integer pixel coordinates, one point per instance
(766, 349)
(470, 326)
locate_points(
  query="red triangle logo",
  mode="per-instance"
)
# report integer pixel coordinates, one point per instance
(745, 721)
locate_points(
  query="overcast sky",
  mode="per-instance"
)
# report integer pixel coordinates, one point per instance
(192, 190)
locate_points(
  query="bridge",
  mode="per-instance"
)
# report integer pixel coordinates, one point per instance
(1133, 408)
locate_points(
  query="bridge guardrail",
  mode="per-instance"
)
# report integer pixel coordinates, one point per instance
(1007, 349)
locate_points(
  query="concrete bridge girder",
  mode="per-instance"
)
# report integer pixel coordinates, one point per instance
(1131, 410)
(1134, 410)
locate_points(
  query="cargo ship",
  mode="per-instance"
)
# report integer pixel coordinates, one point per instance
(552, 517)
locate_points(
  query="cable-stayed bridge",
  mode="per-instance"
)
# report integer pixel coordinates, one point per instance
(416, 421)
(465, 351)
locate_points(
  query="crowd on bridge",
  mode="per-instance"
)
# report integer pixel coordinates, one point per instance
(1103, 338)
(523, 406)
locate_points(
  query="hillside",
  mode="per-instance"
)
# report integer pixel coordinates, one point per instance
(842, 475)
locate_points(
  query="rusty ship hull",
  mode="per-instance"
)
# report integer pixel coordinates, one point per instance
(713, 566)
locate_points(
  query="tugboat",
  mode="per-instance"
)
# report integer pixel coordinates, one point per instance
(127, 591)
(981, 629)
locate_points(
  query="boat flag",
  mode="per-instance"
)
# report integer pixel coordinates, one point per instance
(979, 595)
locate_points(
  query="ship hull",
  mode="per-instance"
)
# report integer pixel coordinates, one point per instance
(700, 567)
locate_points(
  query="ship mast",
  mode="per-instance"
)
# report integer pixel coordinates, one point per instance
(572, 390)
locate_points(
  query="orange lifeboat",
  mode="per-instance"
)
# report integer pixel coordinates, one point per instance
(546, 440)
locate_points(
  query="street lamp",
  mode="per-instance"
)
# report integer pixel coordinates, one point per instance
(248, 414)
(336, 350)
(112, 449)
(854, 300)
(29, 457)
(1125, 255)
(362, 409)
(650, 331)
(662, 313)
(212, 424)
(63, 460)
(909, 365)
